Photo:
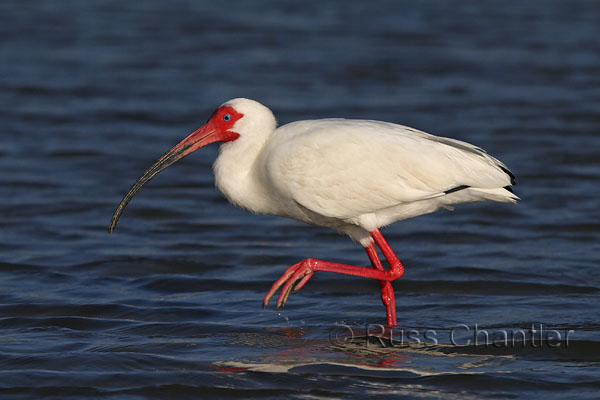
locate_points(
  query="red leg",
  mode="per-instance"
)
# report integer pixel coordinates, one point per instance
(388, 253)
(387, 291)
(396, 267)
(305, 269)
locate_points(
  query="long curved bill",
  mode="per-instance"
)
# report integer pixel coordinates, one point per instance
(199, 138)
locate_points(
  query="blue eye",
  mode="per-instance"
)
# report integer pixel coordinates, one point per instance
(226, 117)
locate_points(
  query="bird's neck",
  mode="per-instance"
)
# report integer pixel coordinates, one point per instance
(237, 175)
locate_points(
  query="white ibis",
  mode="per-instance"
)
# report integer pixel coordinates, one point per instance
(353, 176)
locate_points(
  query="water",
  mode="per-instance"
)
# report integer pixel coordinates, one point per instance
(170, 305)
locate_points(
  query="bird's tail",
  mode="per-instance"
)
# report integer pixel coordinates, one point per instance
(503, 195)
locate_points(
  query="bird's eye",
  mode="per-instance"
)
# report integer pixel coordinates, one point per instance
(226, 117)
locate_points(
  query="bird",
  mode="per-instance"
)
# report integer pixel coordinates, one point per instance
(353, 176)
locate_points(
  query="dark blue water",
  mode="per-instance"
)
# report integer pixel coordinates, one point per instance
(170, 305)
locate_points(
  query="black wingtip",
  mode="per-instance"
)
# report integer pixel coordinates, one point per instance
(456, 189)
(513, 180)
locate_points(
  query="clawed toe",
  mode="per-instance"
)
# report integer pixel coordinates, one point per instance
(302, 270)
(289, 285)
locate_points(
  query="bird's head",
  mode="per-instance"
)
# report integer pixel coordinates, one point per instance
(229, 122)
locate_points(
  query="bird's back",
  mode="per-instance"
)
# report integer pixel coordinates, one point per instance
(344, 168)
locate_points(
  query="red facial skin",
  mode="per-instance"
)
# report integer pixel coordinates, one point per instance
(221, 126)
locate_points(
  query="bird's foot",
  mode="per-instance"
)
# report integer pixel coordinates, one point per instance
(305, 269)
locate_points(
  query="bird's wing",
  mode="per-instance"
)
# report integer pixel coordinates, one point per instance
(345, 168)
